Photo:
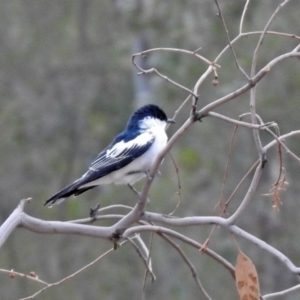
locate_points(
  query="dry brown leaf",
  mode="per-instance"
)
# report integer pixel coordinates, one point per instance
(246, 278)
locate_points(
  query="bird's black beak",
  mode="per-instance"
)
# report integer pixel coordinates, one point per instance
(171, 121)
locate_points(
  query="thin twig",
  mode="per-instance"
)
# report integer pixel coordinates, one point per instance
(179, 109)
(277, 183)
(229, 42)
(73, 274)
(282, 293)
(239, 184)
(227, 168)
(224, 208)
(253, 89)
(148, 261)
(188, 262)
(178, 184)
(281, 142)
(249, 195)
(34, 277)
(145, 257)
(194, 53)
(243, 16)
(154, 70)
(260, 41)
(241, 123)
(290, 152)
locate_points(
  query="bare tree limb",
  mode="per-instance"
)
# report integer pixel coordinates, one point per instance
(194, 221)
(20, 219)
(159, 218)
(12, 221)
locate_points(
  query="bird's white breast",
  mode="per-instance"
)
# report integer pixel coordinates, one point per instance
(143, 163)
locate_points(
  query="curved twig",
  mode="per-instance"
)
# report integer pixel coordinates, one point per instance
(189, 264)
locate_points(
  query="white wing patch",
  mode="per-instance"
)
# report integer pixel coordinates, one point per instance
(122, 150)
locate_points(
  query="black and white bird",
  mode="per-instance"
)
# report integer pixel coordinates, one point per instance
(128, 158)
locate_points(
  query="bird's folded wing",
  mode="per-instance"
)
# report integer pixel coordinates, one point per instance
(119, 155)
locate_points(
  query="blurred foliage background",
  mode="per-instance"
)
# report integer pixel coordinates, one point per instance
(67, 87)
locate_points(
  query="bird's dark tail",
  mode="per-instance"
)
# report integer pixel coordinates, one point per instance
(72, 189)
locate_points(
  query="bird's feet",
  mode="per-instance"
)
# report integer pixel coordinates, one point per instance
(134, 190)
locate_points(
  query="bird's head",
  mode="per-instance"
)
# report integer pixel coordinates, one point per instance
(147, 117)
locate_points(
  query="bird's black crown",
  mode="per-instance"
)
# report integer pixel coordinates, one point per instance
(150, 110)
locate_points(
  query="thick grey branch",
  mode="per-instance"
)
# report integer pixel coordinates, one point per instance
(194, 221)
(55, 227)
(12, 222)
